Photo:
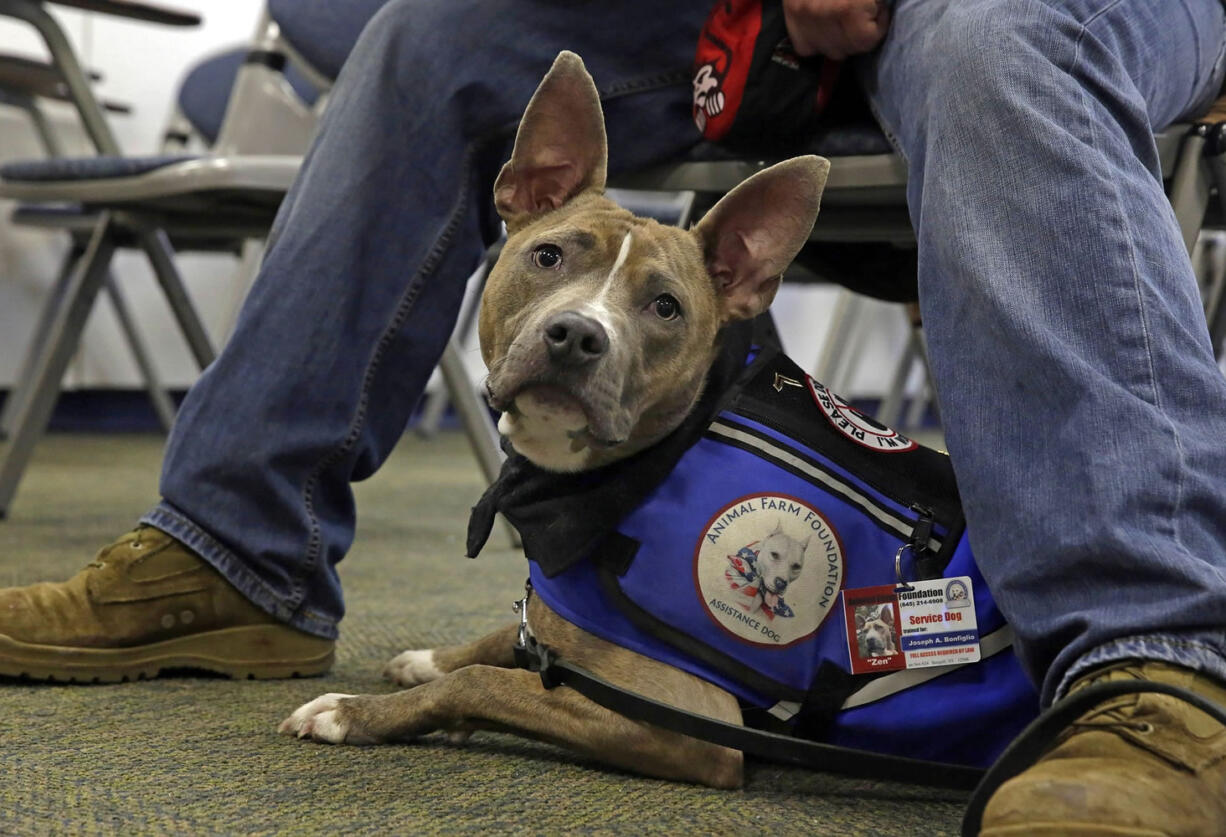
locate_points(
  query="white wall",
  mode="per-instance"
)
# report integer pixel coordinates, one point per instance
(141, 64)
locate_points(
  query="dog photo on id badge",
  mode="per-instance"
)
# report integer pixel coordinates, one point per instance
(873, 620)
(876, 631)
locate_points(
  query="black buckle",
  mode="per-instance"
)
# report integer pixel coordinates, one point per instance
(551, 675)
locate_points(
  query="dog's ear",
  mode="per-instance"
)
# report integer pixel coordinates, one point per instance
(755, 231)
(860, 620)
(560, 149)
(887, 615)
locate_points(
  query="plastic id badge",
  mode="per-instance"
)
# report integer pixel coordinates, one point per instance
(915, 625)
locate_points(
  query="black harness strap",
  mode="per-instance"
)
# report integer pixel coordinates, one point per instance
(1034, 741)
(770, 746)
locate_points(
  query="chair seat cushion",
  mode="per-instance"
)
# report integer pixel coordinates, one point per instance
(87, 168)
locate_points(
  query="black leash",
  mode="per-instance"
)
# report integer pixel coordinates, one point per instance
(1028, 747)
(1025, 750)
(769, 746)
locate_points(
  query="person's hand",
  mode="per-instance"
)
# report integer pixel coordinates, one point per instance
(835, 28)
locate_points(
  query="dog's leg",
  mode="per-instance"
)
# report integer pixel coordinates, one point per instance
(414, 667)
(485, 697)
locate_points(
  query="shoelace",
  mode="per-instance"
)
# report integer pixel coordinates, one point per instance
(100, 560)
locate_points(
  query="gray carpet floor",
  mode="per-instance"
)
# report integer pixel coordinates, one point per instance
(199, 755)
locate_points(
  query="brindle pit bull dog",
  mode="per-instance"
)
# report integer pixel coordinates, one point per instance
(598, 328)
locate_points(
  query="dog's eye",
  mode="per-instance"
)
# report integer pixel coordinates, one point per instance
(666, 307)
(547, 256)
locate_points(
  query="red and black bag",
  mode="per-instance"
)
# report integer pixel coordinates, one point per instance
(751, 90)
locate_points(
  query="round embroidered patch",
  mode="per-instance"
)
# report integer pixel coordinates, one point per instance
(768, 569)
(855, 425)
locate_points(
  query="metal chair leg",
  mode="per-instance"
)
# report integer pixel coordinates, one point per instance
(833, 354)
(927, 393)
(933, 394)
(248, 268)
(63, 336)
(38, 339)
(919, 405)
(891, 406)
(482, 434)
(162, 403)
(156, 245)
(1215, 292)
(688, 199)
(432, 412)
(437, 401)
(1215, 314)
(1189, 191)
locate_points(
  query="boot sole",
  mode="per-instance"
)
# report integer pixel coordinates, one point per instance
(253, 652)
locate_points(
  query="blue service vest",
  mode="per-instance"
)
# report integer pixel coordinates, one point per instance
(789, 482)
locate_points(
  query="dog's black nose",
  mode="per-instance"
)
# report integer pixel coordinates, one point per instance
(574, 339)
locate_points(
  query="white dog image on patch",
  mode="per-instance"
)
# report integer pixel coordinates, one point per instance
(780, 561)
(763, 574)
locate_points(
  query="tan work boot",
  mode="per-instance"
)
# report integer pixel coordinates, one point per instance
(1139, 764)
(147, 603)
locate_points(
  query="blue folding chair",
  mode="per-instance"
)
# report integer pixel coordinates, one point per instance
(201, 200)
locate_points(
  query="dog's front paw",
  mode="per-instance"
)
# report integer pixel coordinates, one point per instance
(324, 719)
(412, 668)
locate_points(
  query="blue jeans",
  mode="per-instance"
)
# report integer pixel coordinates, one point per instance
(1081, 402)
(1083, 409)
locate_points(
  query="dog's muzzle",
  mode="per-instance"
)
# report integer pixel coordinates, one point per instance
(567, 366)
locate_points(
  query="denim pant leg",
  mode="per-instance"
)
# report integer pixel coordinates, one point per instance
(1083, 408)
(366, 267)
